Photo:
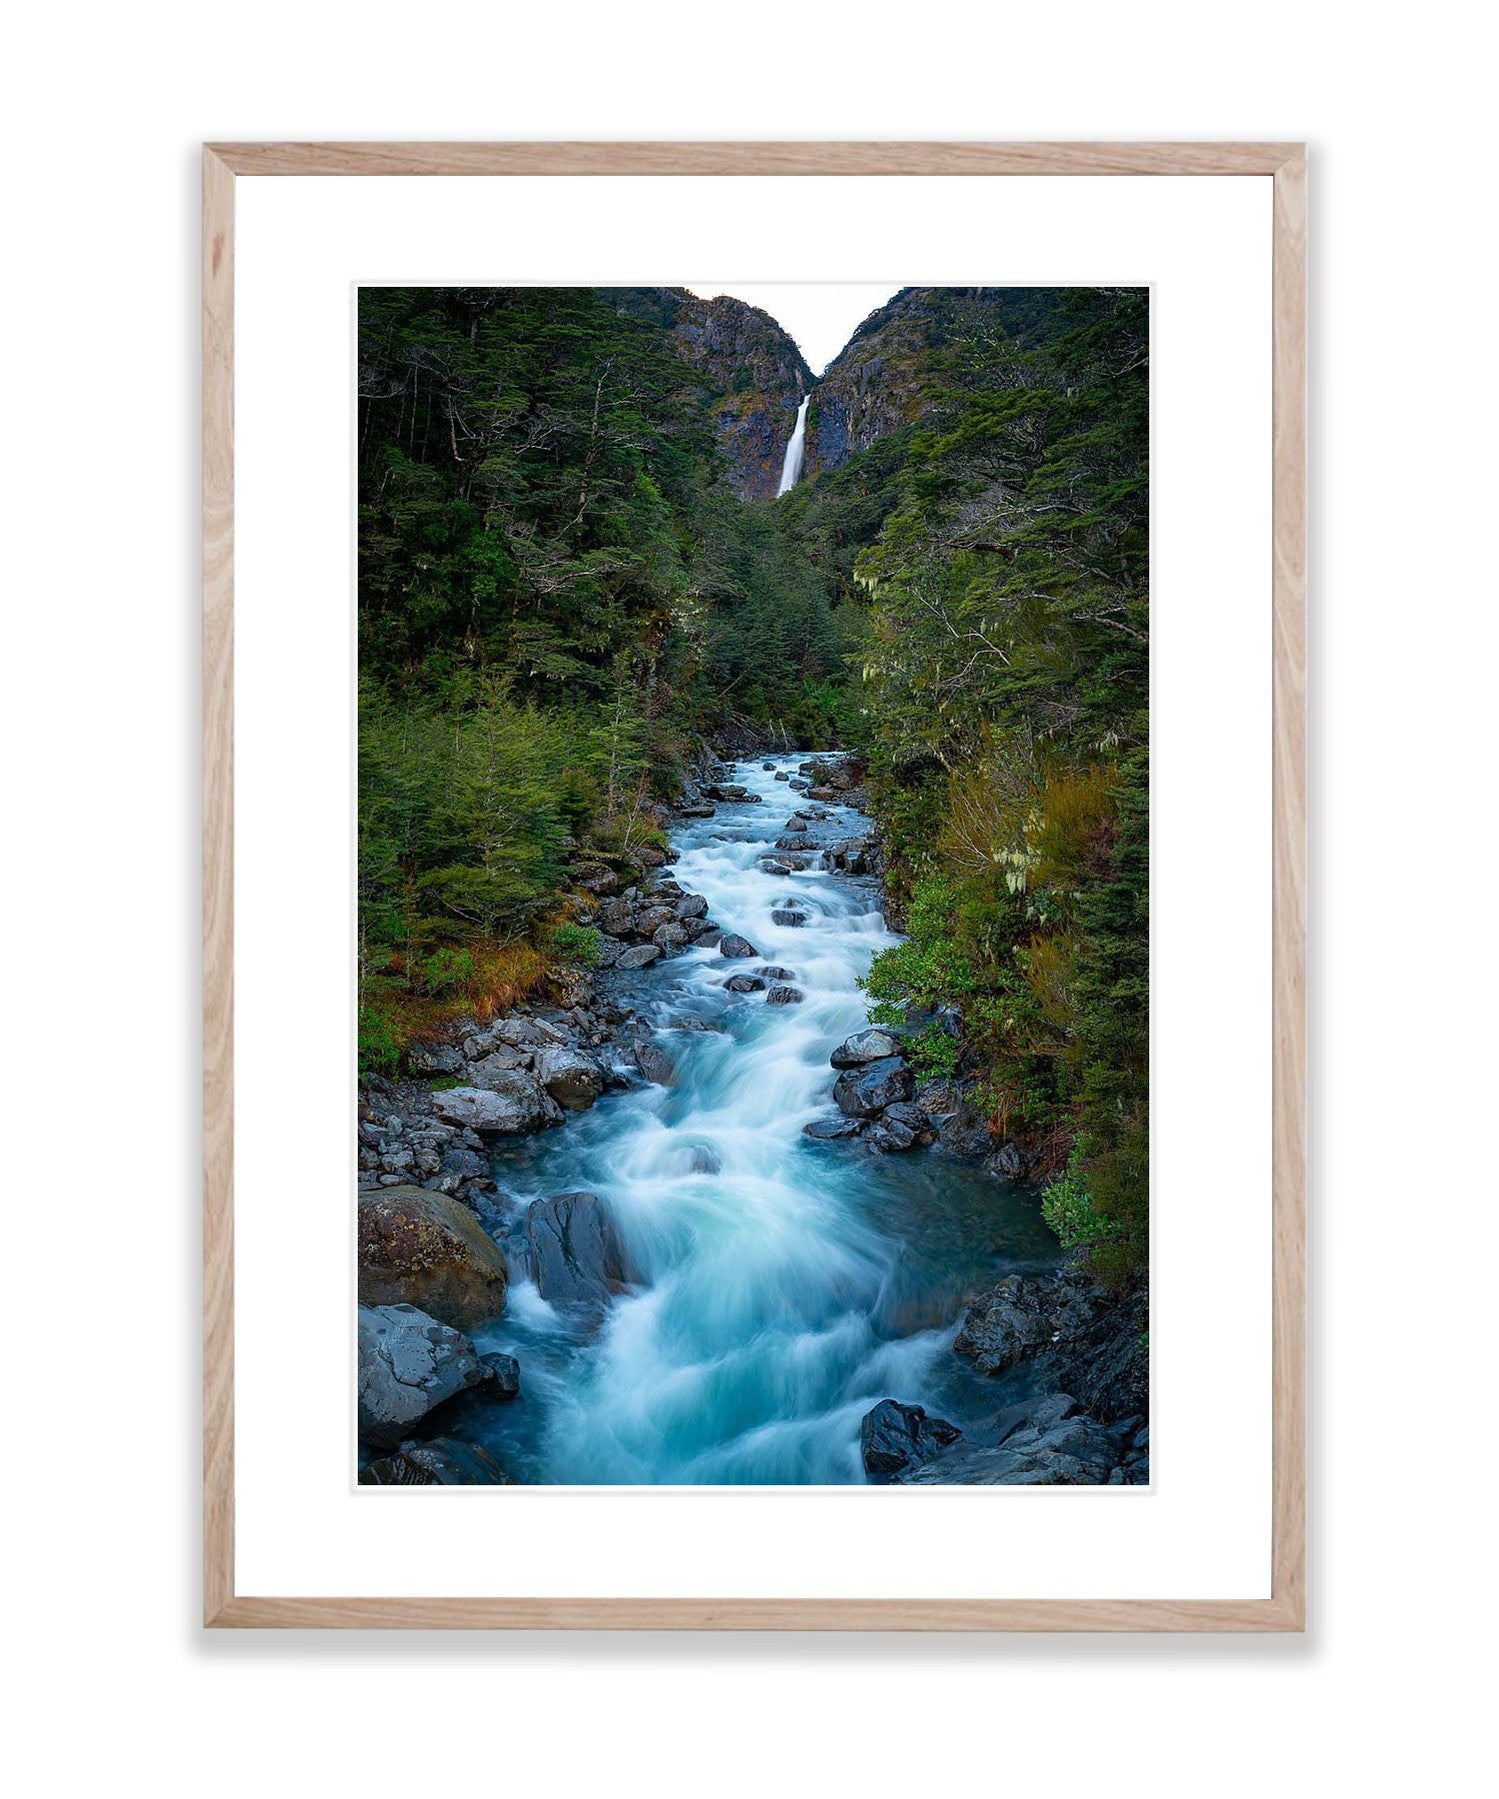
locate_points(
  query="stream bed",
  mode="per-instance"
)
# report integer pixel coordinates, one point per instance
(787, 1285)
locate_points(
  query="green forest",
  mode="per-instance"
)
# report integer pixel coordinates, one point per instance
(562, 597)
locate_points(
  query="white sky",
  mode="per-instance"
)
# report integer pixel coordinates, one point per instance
(821, 316)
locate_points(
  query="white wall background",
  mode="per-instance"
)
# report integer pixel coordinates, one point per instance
(104, 109)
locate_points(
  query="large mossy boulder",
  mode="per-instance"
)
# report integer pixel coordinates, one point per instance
(408, 1364)
(426, 1249)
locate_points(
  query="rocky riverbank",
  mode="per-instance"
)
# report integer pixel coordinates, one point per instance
(439, 1241)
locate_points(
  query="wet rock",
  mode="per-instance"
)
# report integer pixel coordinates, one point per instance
(895, 1438)
(733, 945)
(504, 1103)
(873, 1045)
(1050, 1444)
(902, 1126)
(504, 1376)
(641, 956)
(782, 995)
(409, 1362)
(691, 905)
(865, 1092)
(771, 865)
(444, 1462)
(710, 937)
(774, 973)
(425, 1249)
(1008, 1163)
(786, 916)
(744, 983)
(790, 843)
(655, 1063)
(796, 824)
(824, 1129)
(781, 775)
(672, 938)
(576, 1251)
(1023, 1315)
(571, 1076)
(466, 1164)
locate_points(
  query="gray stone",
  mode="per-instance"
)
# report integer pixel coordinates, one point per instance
(504, 1376)
(408, 1363)
(444, 1462)
(655, 1063)
(576, 1251)
(744, 983)
(731, 944)
(825, 1128)
(571, 1076)
(782, 995)
(641, 956)
(786, 916)
(508, 1103)
(865, 1092)
(435, 1058)
(873, 1045)
(895, 1438)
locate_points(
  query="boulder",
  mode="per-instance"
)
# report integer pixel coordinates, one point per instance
(1023, 1315)
(408, 1363)
(796, 823)
(865, 1092)
(444, 1462)
(744, 983)
(894, 1438)
(781, 775)
(1008, 1163)
(509, 1103)
(773, 973)
(872, 1045)
(641, 956)
(731, 944)
(576, 1251)
(772, 865)
(824, 1128)
(902, 1126)
(691, 905)
(435, 1058)
(782, 995)
(571, 1076)
(1046, 1443)
(425, 1249)
(655, 1063)
(503, 1381)
(786, 916)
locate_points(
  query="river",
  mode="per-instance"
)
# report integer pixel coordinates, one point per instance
(787, 1285)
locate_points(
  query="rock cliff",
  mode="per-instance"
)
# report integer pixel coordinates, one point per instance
(754, 370)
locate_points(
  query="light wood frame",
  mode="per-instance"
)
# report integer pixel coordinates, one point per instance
(1285, 1609)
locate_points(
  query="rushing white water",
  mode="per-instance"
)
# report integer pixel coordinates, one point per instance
(791, 468)
(788, 1284)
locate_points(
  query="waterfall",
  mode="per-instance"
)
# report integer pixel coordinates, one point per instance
(791, 468)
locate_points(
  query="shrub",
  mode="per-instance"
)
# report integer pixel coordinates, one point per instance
(578, 943)
(1067, 1207)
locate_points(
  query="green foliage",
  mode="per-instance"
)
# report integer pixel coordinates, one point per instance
(577, 943)
(1002, 671)
(1068, 1208)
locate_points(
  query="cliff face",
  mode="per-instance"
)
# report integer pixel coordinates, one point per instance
(888, 374)
(755, 371)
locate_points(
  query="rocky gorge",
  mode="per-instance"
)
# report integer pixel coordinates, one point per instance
(698, 1220)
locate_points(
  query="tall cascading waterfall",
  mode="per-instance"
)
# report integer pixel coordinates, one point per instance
(791, 468)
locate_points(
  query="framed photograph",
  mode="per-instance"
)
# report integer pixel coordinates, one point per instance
(754, 886)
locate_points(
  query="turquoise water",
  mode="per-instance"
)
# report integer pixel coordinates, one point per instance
(788, 1285)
